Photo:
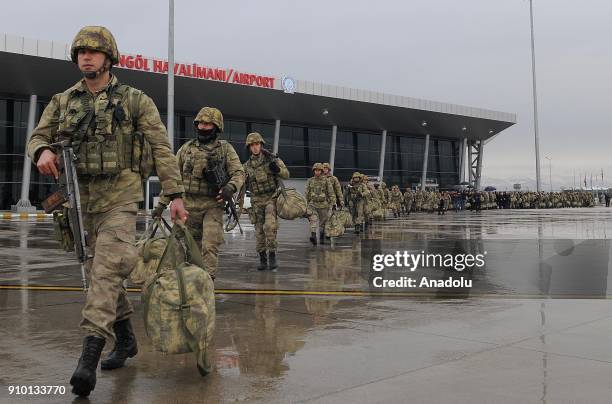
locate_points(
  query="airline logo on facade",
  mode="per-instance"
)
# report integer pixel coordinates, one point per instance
(195, 71)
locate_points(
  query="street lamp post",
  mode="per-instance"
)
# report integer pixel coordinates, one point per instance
(170, 109)
(535, 99)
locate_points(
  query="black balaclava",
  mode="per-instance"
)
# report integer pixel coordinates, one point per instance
(206, 136)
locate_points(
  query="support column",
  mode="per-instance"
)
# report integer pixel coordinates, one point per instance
(276, 135)
(479, 165)
(475, 149)
(425, 161)
(24, 204)
(147, 194)
(462, 160)
(470, 159)
(383, 147)
(332, 152)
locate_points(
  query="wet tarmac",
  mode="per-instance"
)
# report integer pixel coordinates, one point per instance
(533, 326)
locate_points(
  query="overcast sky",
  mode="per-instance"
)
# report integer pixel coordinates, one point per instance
(472, 52)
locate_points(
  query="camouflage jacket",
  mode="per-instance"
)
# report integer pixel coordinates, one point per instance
(320, 192)
(193, 158)
(358, 191)
(102, 193)
(336, 187)
(396, 197)
(260, 180)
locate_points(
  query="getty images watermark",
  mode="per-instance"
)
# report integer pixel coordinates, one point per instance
(411, 262)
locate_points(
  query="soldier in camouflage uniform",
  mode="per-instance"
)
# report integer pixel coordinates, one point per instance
(339, 201)
(106, 121)
(387, 198)
(418, 200)
(357, 192)
(320, 196)
(396, 200)
(204, 198)
(261, 172)
(408, 200)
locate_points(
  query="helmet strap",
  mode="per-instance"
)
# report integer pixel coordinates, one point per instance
(106, 66)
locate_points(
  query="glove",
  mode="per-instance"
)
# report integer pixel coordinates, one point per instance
(227, 191)
(274, 167)
(159, 209)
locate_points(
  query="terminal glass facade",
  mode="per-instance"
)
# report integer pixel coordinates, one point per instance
(300, 146)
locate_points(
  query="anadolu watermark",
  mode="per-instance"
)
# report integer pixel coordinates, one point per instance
(409, 261)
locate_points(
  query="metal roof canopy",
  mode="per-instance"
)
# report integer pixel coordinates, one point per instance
(24, 75)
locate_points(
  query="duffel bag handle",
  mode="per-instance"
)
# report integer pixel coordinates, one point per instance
(193, 250)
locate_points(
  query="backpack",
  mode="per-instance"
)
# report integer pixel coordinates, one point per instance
(179, 301)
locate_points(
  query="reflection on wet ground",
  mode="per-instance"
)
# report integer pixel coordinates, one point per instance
(533, 327)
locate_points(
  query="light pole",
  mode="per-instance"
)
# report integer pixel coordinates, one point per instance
(535, 99)
(549, 171)
(170, 109)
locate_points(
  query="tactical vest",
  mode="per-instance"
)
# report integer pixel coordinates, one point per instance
(259, 180)
(317, 190)
(106, 143)
(195, 162)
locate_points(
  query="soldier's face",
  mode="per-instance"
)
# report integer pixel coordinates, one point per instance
(255, 148)
(317, 173)
(90, 60)
(326, 171)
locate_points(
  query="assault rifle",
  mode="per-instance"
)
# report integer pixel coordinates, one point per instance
(217, 175)
(69, 197)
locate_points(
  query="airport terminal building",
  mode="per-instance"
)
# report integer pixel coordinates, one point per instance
(406, 141)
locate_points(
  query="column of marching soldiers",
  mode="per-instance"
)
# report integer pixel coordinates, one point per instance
(117, 136)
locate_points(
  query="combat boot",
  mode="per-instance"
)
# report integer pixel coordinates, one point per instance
(83, 379)
(313, 237)
(273, 265)
(125, 347)
(263, 261)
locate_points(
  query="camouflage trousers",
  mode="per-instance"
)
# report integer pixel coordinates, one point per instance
(205, 222)
(110, 237)
(395, 207)
(313, 219)
(263, 217)
(322, 214)
(358, 211)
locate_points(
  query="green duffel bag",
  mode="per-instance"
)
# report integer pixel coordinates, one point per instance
(151, 246)
(179, 301)
(334, 227)
(290, 204)
(378, 214)
(345, 218)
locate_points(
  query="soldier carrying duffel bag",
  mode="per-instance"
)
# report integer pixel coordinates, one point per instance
(179, 300)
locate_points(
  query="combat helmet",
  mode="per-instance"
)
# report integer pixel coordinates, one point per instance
(252, 138)
(95, 38)
(326, 165)
(210, 115)
(317, 166)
